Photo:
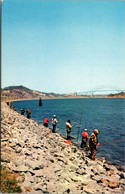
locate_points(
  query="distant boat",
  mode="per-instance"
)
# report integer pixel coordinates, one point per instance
(40, 102)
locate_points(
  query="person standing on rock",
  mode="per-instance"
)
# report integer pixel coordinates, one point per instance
(28, 112)
(93, 143)
(46, 121)
(68, 129)
(85, 137)
(14, 108)
(54, 122)
(22, 111)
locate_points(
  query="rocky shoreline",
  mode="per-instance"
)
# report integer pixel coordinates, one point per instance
(48, 165)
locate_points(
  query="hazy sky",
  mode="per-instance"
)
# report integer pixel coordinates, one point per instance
(63, 46)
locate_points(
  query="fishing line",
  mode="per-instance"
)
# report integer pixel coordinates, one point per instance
(112, 141)
(79, 126)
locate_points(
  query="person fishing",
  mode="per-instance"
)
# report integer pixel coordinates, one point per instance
(28, 112)
(93, 143)
(68, 129)
(54, 122)
(22, 111)
(46, 121)
(14, 108)
(85, 137)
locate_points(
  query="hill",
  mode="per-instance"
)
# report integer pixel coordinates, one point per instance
(119, 95)
(21, 92)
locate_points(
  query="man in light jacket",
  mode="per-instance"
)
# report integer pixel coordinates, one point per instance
(68, 129)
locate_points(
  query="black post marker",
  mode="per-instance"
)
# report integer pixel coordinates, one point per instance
(40, 102)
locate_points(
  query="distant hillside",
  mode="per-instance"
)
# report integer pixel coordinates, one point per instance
(21, 92)
(119, 95)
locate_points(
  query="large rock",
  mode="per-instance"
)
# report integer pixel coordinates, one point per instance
(80, 171)
(90, 187)
(19, 161)
(105, 181)
(18, 149)
(51, 187)
(21, 168)
(97, 178)
(35, 165)
(39, 173)
(5, 157)
(113, 181)
(113, 184)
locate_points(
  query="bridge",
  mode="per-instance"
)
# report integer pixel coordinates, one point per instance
(102, 90)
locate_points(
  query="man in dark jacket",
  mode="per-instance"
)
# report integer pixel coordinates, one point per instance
(93, 143)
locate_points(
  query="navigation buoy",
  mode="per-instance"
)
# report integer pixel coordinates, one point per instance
(40, 102)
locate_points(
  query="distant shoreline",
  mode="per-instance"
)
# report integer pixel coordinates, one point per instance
(68, 97)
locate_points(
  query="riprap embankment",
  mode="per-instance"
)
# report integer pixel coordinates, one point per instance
(48, 165)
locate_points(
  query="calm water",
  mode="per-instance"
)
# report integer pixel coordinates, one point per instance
(106, 115)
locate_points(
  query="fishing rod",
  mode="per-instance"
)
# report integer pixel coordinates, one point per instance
(112, 141)
(79, 127)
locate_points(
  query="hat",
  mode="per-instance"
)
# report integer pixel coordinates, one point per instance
(96, 131)
(85, 129)
(54, 115)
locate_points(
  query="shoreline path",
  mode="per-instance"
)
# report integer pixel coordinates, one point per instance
(48, 165)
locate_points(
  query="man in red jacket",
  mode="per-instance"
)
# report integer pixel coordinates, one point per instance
(85, 137)
(46, 121)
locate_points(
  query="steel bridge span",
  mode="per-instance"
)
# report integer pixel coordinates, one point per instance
(101, 90)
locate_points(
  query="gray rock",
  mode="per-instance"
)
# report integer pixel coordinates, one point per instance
(21, 168)
(5, 157)
(18, 149)
(106, 166)
(41, 187)
(37, 146)
(19, 161)
(26, 183)
(30, 179)
(100, 169)
(21, 143)
(12, 145)
(73, 168)
(28, 152)
(97, 178)
(5, 139)
(80, 171)
(20, 179)
(51, 187)
(39, 173)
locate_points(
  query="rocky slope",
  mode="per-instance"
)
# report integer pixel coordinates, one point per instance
(48, 165)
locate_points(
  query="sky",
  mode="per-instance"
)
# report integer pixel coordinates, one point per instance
(63, 46)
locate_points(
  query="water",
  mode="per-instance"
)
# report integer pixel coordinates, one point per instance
(106, 115)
